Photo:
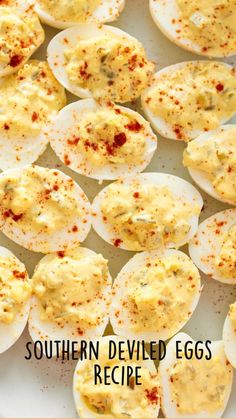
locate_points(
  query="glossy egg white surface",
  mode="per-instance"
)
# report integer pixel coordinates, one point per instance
(180, 189)
(41, 241)
(10, 333)
(168, 405)
(206, 244)
(64, 129)
(120, 316)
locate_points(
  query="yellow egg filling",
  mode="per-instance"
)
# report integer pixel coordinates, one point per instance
(111, 67)
(15, 288)
(38, 200)
(69, 10)
(217, 158)
(110, 136)
(28, 99)
(160, 296)
(225, 262)
(200, 385)
(197, 96)
(70, 290)
(145, 217)
(20, 34)
(210, 24)
(118, 401)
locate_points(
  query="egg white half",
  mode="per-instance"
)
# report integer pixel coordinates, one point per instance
(119, 313)
(81, 406)
(54, 241)
(168, 405)
(180, 188)
(199, 176)
(41, 330)
(68, 39)
(206, 244)
(166, 16)
(162, 127)
(64, 126)
(107, 11)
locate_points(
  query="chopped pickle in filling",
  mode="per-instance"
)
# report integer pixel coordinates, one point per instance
(28, 98)
(197, 96)
(110, 136)
(160, 296)
(111, 67)
(69, 10)
(217, 158)
(232, 314)
(145, 217)
(38, 200)
(118, 401)
(15, 289)
(210, 24)
(200, 385)
(20, 34)
(225, 262)
(70, 289)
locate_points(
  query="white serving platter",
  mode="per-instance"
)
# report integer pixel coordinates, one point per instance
(42, 389)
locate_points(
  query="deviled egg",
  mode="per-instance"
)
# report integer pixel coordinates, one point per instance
(189, 98)
(154, 295)
(211, 161)
(71, 296)
(101, 62)
(15, 292)
(229, 335)
(62, 14)
(29, 99)
(43, 209)
(20, 34)
(213, 248)
(194, 387)
(102, 141)
(205, 27)
(116, 400)
(147, 211)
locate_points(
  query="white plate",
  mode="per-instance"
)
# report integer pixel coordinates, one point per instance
(42, 389)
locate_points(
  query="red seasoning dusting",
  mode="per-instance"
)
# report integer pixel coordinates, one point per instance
(34, 116)
(219, 87)
(134, 126)
(117, 242)
(18, 274)
(61, 254)
(120, 139)
(10, 213)
(67, 160)
(152, 395)
(16, 60)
